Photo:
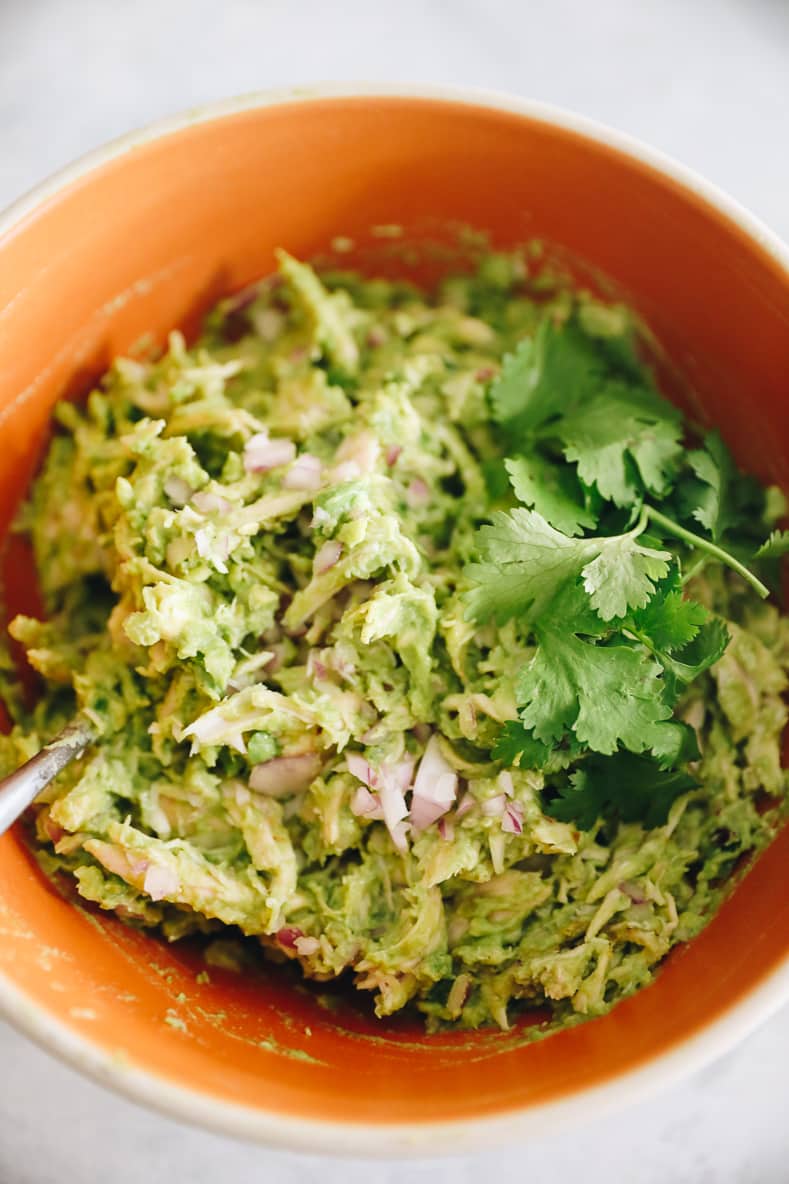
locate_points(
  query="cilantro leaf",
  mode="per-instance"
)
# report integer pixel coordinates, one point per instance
(669, 620)
(579, 801)
(729, 504)
(776, 545)
(552, 490)
(710, 495)
(514, 745)
(615, 639)
(681, 634)
(685, 665)
(624, 786)
(587, 686)
(623, 439)
(623, 575)
(674, 744)
(606, 695)
(591, 395)
(525, 563)
(684, 637)
(557, 367)
(495, 477)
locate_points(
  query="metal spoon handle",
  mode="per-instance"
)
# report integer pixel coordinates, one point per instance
(19, 789)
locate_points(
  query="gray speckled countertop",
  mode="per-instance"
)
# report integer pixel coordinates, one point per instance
(706, 81)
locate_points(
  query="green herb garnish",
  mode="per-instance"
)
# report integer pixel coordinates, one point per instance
(617, 515)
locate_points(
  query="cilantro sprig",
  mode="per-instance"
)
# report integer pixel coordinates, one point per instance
(630, 787)
(616, 513)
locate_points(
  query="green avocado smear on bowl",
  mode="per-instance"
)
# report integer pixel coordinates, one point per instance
(423, 639)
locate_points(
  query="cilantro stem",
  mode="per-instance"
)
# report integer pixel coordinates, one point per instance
(694, 569)
(702, 544)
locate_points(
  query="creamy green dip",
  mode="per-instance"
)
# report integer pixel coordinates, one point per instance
(252, 557)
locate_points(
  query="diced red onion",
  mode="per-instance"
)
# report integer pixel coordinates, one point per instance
(633, 891)
(432, 766)
(359, 768)
(326, 556)
(398, 834)
(397, 773)
(160, 882)
(394, 810)
(435, 786)
(484, 373)
(122, 863)
(424, 813)
(208, 502)
(345, 668)
(307, 945)
(365, 805)
(304, 473)
(177, 490)
(54, 832)
(392, 453)
(512, 818)
(466, 803)
(495, 806)
(446, 828)
(261, 453)
(288, 936)
(315, 668)
(504, 781)
(285, 774)
(417, 493)
(400, 773)
(390, 781)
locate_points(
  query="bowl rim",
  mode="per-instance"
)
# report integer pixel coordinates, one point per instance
(378, 1140)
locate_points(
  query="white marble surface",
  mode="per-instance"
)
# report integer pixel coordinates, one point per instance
(707, 81)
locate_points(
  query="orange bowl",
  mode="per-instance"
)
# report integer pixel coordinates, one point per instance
(146, 234)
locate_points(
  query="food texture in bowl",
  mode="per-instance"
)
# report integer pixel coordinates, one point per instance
(423, 640)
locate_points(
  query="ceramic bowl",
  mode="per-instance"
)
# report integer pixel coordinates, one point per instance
(143, 236)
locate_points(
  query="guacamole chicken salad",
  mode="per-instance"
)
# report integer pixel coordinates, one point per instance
(422, 641)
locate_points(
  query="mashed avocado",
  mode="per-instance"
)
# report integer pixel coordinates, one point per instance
(254, 559)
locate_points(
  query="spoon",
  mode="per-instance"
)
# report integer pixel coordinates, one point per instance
(19, 789)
